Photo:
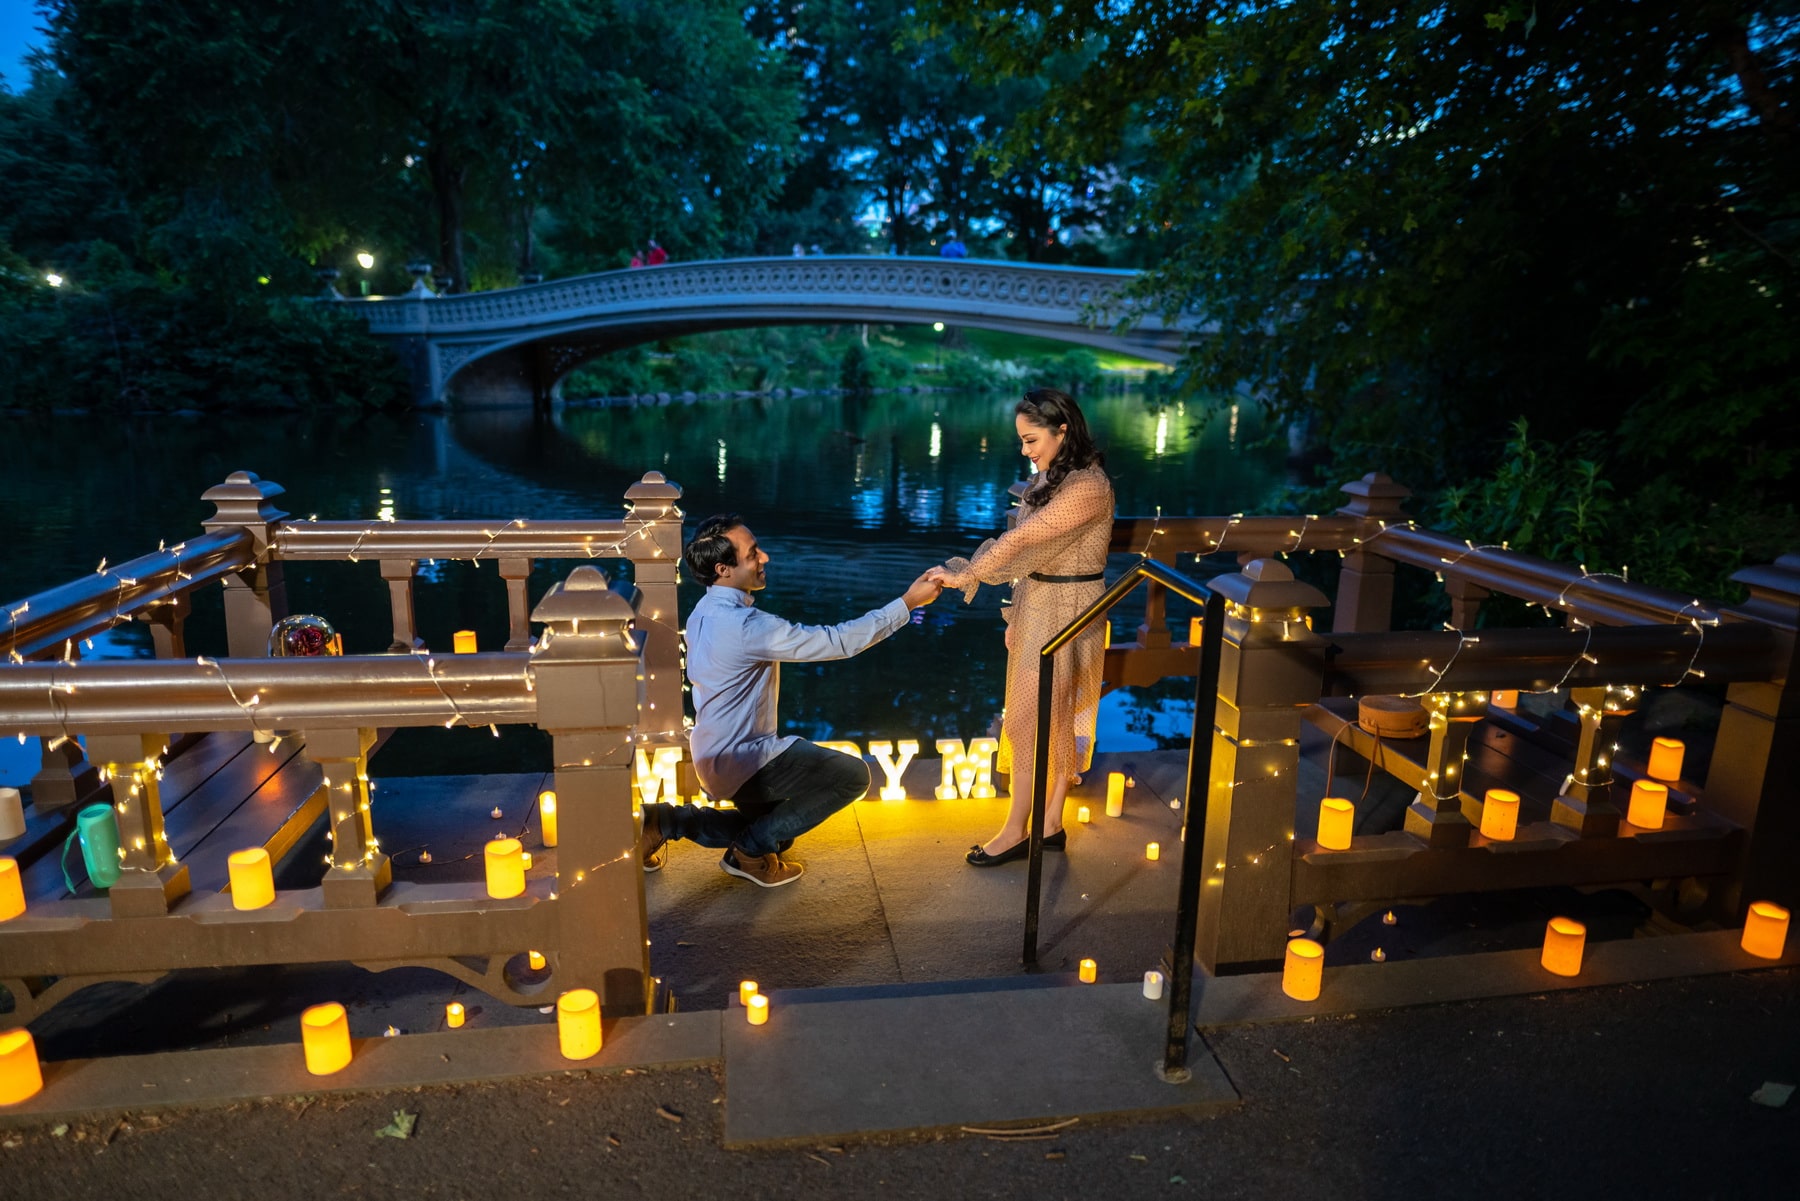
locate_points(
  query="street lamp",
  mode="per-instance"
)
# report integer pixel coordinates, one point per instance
(53, 279)
(366, 261)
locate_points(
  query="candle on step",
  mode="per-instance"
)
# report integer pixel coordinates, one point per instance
(758, 1010)
(252, 879)
(578, 1023)
(1194, 624)
(1564, 940)
(1153, 984)
(1303, 969)
(12, 815)
(1089, 971)
(455, 1015)
(746, 990)
(1649, 801)
(1115, 794)
(1665, 758)
(1500, 814)
(1153, 851)
(465, 642)
(1504, 698)
(505, 868)
(1337, 820)
(325, 1036)
(547, 816)
(525, 860)
(1082, 815)
(21, 1077)
(12, 889)
(1765, 930)
(536, 960)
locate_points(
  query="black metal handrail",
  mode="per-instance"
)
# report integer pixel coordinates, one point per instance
(1206, 691)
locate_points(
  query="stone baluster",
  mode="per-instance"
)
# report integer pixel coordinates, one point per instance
(655, 554)
(64, 776)
(1365, 596)
(150, 880)
(1756, 759)
(399, 576)
(517, 574)
(360, 871)
(587, 680)
(1586, 805)
(1271, 667)
(255, 598)
(1436, 816)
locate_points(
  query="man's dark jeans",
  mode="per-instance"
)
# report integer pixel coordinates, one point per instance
(788, 796)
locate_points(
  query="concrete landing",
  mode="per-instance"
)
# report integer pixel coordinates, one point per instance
(829, 1070)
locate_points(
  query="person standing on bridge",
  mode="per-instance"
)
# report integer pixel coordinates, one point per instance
(781, 786)
(1055, 559)
(657, 255)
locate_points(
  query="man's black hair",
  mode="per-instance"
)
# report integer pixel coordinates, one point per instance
(709, 548)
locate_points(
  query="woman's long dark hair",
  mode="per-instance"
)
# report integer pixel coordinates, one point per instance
(1050, 409)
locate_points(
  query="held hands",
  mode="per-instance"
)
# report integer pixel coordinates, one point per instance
(923, 590)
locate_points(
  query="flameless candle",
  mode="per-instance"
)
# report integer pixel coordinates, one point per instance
(1337, 817)
(535, 959)
(20, 1075)
(1500, 814)
(1388, 918)
(1504, 698)
(1153, 851)
(758, 1010)
(12, 815)
(12, 890)
(454, 1014)
(1649, 801)
(505, 868)
(1194, 624)
(1082, 815)
(465, 642)
(1564, 939)
(1765, 930)
(525, 860)
(1090, 971)
(1115, 794)
(1665, 758)
(325, 1034)
(1303, 969)
(252, 879)
(1378, 956)
(1153, 982)
(578, 1023)
(746, 990)
(547, 816)
(1108, 628)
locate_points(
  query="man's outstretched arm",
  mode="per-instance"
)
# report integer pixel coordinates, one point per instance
(767, 636)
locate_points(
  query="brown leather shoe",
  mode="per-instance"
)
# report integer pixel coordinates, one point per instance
(653, 844)
(769, 871)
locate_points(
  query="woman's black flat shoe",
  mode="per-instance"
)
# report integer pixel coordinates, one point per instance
(980, 858)
(1058, 841)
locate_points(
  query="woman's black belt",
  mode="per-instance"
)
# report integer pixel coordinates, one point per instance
(1041, 578)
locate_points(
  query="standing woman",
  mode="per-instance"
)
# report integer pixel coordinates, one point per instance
(1055, 559)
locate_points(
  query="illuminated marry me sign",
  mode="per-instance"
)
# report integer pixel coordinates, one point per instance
(966, 769)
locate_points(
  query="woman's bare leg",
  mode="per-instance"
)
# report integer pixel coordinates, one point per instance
(1018, 815)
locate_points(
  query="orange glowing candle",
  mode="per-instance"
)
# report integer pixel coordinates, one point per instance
(1194, 624)
(1500, 814)
(21, 1076)
(1504, 698)
(578, 1023)
(12, 889)
(455, 1015)
(1649, 801)
(325, 1035)
(746, 990)
(758, 1010)
(1665, 758)
(1303, 969)
(252, 879)
(1115, 794)
(1765, 930)
(465, 642)
(1089, 971)
(536, 960)
(505, 868)
(1082, 815)
(547, 816)
(1337, 819)
(1153, 851)
(1564, 940)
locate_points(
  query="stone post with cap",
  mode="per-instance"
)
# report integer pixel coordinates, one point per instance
(1365, 594)
(256, 597)
(655, 553)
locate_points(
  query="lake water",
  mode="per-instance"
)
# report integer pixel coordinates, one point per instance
(851, 497)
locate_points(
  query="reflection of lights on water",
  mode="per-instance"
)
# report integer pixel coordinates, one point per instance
(1231, 434)
(1162, 433)
(859, 466)
(984, 444)
(721, 460)
(385, 512)
(937, 439)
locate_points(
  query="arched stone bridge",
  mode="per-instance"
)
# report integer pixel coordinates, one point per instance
(511, 346)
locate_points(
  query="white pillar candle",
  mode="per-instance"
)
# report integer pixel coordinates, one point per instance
(1153, 984)
(12, 815)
